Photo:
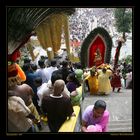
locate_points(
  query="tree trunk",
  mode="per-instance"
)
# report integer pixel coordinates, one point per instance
(117, 54)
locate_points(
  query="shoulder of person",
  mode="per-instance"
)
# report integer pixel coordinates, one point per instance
(106, 113)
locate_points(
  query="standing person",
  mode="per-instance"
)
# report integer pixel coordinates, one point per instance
(17, 104)
(64, 71)
(57, 107)
(23, 91)
(129, 79)
(50, 85)
(72, 83)
(19, 115)
(116, 80)
(41, 89)
(42, 71)
(95, 115)
(124, 71)
(30, 77)
(104, 86)
(79, 72)
(52, 68)
(92, 80)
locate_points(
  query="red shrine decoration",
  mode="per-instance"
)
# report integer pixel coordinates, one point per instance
(96, 52)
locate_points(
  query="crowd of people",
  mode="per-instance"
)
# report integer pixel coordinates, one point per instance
(82, 22)
(51, 91)
(49, 88)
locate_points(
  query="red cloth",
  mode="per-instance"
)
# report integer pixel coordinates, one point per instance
(116, 81)
(13, 57)
(98, 43)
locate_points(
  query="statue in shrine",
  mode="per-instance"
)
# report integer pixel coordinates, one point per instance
(97, 58)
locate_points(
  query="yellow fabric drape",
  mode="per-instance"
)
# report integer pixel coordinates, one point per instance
(49, 32)
(44, 36)
(56, 31)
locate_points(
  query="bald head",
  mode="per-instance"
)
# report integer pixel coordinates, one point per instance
(58, 87)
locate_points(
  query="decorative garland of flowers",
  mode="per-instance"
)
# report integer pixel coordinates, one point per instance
(89, 39)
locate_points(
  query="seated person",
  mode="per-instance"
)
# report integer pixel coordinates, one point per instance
(96, 115)
(57, 107)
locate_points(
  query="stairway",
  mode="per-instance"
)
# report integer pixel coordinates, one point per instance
(120, 126)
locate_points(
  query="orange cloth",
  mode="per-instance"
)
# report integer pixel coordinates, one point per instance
(21, 73)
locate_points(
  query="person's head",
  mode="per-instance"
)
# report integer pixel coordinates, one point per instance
(71, 77)
(92, 72)
(53, 63)
(64, 64)
(78, 65)
(58, 87)
(55, 76)
(27, 67)
(104, 70)
(27, 60)
(41, 63)
(34, 67)
(38, 81)
(118, 70)
(42, 57)
(99, 108)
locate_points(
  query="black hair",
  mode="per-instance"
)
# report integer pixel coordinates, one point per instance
(64, 63)
(73, 78)
(38, 80)
(27, 60)
(26, 67)
(53, 62)
(78, 65)
(104, 70)
(34, 66)
(55, 76)
(100, 104)
(41, 63)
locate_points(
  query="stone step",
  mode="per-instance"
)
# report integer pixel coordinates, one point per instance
(120, 121)
(120, 126)
(128, 129)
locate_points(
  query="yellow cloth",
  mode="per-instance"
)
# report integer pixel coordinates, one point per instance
(69, 124)
(104, 82)
(93, 83)
(34, 111)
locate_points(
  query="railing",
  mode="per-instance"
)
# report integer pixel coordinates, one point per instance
(69, 124)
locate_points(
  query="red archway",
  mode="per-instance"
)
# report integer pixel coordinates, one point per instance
(97, 44)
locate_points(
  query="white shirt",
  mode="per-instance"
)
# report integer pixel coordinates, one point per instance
(50, 70)
(40, 91)
(43, 74)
